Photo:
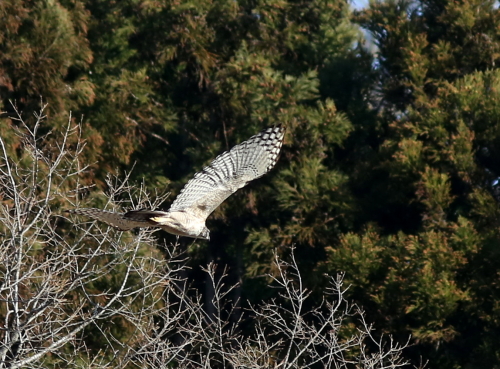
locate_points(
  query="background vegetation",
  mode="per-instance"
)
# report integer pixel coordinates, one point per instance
(390, 170)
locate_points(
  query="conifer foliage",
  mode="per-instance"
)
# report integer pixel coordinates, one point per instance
(432, 232)
(390, 169)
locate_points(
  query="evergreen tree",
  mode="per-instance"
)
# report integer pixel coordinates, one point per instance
(43, 48)
(422, 252)
(217, 72)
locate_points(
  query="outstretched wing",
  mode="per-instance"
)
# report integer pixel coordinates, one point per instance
(123, 222)
(229, 172)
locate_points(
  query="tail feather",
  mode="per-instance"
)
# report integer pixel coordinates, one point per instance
(116, 220)
(144, 215)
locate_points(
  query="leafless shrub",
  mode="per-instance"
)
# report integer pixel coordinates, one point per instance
(83, 295)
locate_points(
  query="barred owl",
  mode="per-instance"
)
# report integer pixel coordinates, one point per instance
(229, 172)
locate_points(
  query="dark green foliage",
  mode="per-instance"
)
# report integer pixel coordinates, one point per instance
(42, 46)
(432, 196)
(390, 169)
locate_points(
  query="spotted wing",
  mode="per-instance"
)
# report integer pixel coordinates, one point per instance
(229, 172)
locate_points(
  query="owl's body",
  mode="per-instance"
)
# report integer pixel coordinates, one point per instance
(229, 172)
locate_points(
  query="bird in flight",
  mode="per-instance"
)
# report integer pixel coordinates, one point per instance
(227, 173)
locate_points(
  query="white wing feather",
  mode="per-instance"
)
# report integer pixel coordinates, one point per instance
(208, 188)
(229, 172)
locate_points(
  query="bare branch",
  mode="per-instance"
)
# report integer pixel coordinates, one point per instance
(86, 295)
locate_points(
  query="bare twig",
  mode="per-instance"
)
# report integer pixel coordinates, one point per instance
(83, 294)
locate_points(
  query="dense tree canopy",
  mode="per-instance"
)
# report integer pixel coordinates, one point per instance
(390, 170)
